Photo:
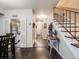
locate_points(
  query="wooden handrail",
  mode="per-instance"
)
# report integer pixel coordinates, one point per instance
(64, 19)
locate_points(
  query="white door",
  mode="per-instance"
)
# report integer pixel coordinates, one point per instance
(23, 34)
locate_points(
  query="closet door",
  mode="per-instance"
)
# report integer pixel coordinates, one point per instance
(23, 34)
(29, 33)
(26, 34)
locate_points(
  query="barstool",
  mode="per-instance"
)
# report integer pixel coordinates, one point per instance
(11, 44)
(4, 42)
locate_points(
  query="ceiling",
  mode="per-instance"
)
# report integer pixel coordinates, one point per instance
(28, 4)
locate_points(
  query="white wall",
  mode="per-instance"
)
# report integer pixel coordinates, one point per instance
(2, 11)
(3, 22)
(2, 25)
(25, 16)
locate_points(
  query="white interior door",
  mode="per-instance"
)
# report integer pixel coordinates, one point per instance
(23, 35)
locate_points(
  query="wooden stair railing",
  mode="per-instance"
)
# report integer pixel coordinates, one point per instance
(63, 17)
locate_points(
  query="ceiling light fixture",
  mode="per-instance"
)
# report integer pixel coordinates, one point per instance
(40, 16)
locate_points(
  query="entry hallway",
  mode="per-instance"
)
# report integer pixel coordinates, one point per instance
(39, 51)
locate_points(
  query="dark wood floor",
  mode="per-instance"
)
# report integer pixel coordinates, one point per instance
(33, 53)
(39, 51)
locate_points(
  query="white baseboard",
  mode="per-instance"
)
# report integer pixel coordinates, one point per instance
(60, 54)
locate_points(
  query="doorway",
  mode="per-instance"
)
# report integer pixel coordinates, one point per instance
(15, 29)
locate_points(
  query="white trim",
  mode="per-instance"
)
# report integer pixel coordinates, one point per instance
(60, 54)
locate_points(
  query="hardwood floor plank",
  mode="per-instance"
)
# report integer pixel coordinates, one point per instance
(40, 51)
